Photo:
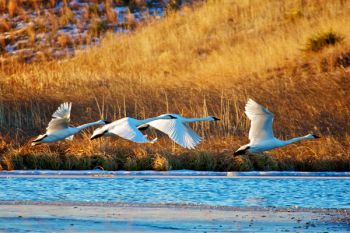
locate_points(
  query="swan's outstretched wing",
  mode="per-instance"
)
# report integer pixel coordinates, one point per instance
(63, 111)
(60, 119)
(179, 132)
(126, 129)
(260, 122)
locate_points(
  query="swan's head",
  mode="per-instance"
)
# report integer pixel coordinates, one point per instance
(98, 133)
(214, 118)
(312, 136)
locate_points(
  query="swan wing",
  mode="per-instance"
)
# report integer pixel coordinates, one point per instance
(63, 111)
(60, 119)
(178, 131)
(260, 122)
(56, 125)
(126, 129)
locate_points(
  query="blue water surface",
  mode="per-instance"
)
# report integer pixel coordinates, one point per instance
(214, 191)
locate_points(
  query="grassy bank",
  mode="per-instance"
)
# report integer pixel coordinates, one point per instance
(202, 61)
(120, 155)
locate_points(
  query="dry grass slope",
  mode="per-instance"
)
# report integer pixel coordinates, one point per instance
(202, 61)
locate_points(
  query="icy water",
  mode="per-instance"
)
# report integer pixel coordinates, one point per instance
(252, 189)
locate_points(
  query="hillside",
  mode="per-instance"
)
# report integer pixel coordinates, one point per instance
(202, 60)
(32, 31)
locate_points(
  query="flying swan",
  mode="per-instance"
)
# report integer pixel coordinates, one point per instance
(178, 130)
(59, 129)
(261, 134)
(128, 128)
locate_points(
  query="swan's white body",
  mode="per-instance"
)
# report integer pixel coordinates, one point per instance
(261, 134)
(59, 129)
(179, 131)
(127, 128)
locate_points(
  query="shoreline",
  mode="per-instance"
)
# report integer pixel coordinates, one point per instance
(175, 205)
(104, 216)
(173, 174)
(168, 177)
(171, 177)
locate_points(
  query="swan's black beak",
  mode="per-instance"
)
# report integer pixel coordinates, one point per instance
(216, 119)
(241, 151)
(172, 117)
(96, 136)
(106, 122)
(143, 127)
(316, 136)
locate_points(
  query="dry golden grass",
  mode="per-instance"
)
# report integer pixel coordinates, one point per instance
(30, 30)
(202, 61)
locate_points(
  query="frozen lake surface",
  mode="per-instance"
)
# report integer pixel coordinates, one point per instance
(239, 189)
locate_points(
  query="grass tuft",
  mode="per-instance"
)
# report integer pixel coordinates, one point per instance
(321, 40)
(160, 163)
(263, 162)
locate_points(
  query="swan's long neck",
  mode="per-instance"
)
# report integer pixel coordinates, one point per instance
(297, 139)
(189, 120)
(84, 126)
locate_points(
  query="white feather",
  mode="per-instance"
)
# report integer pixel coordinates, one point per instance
(179, 131)
(260, 122)
(59, 129)
(127, 129)
(261, 135)
(60, 119)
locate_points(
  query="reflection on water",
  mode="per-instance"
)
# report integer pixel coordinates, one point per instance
(262, 192)
(172, 173)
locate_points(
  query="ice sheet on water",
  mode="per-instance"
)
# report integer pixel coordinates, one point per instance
(174, 173)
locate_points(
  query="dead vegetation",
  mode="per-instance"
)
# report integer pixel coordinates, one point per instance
(32, 31)
(202, 61)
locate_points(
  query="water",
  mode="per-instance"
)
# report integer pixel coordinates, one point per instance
(180, 173)
(327, 190)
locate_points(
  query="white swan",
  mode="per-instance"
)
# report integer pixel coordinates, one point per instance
(127, 128)
(59, 129)
(179, 131)
(261, 134)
